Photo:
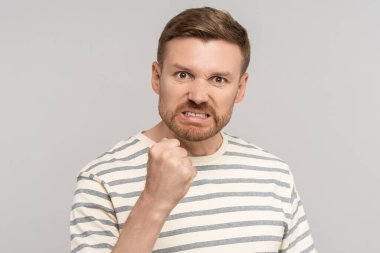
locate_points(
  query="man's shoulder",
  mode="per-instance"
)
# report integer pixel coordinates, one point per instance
(126, 154)
(255, 161)
(240, 145)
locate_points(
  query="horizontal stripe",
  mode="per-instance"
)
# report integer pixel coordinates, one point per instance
(130, 157)
(94, 246)
(123, 209)
(94, 206)
(229, 241)
(222, 226)
(93, 219)
(90, 178)
(239, 181)
(299, 204)
(121, 168)
(211, 195)
(89, 233)
(93, 193)
(80, 177)
(240, 167)
(252, 156)
(299, 221)
(294, 195)
(120, 148)
(234, 194)
(308, 249)
(125, 195)
(220, 211)
(241, 144)
(224, 210)
(127, 180)
(203, 182)
(298, 239)
(220, 181)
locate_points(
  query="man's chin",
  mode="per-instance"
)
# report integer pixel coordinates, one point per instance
(194, 134)
(190, 132)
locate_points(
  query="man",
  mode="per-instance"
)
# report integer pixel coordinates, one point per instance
(184, 185)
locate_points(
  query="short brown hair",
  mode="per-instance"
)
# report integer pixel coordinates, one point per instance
(205, 23)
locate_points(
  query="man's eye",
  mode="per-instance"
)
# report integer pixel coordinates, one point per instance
(219, 79)
(182, 74)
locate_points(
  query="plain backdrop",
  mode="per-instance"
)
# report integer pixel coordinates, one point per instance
(75, 79)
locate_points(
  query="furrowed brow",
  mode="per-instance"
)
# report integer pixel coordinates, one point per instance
(178, 66)
(222, 74)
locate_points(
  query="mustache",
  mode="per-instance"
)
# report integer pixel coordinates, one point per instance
(192, 105)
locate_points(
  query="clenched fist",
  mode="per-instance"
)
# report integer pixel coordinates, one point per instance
(169, 173)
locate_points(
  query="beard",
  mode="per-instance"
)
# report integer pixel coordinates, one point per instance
(193, 132)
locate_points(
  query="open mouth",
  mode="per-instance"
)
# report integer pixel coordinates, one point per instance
(197, 115)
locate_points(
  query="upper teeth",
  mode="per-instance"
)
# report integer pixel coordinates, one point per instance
(201, 115)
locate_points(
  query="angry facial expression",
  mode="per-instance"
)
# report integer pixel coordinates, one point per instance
(198, 83)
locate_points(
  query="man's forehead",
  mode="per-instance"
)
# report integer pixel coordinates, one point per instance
(193, 53)
(185, 41)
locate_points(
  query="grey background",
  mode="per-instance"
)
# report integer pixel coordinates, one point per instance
(75, 79)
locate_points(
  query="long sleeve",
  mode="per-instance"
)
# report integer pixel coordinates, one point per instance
(93, 224)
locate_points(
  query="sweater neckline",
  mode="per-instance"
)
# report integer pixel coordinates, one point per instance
(196, 160)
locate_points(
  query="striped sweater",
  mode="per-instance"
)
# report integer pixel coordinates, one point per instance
(243, 199)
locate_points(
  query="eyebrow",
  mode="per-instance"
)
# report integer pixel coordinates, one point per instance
(223, 74)
(178, 66)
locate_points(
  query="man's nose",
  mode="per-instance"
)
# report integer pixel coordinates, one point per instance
(198, 92)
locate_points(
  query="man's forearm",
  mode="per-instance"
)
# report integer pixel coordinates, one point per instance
(169, 176)
(142, 227)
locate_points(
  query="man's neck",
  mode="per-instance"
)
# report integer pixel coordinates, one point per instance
(195, 148)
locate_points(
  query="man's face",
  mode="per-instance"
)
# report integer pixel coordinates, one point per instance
(198, 85)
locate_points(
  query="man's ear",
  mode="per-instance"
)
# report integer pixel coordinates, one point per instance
(241, 89)
(156, 74)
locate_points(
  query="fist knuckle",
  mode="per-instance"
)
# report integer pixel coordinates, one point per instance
(175, 142)
(184, 152)
(166, 155)
(154, 150)
(187, 173)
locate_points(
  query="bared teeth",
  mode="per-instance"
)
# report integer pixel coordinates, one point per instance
(199, 115)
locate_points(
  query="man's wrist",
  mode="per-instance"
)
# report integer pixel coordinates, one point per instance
(155, 208)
